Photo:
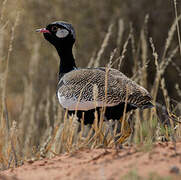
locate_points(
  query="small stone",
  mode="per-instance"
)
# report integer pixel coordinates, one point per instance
(175, 170)
(30, 161)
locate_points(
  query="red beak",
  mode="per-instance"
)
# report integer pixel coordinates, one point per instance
(43, 30)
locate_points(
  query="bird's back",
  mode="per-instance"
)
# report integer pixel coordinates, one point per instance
(85, 89)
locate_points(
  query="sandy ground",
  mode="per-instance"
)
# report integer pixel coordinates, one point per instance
(101, 164)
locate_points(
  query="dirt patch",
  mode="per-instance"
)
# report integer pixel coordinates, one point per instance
(106, 164)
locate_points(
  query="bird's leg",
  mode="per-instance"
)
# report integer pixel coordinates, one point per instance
(108, 129)
(123, 135)
(126, 131)
(115, 138)
(111, 127)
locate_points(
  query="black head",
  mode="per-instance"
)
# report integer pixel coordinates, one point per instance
(59, 34)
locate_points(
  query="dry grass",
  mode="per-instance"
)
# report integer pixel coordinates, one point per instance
(37, 127)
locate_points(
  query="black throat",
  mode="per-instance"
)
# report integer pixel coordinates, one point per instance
(67, 61)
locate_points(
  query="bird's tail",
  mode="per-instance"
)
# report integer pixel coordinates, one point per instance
(147, 105)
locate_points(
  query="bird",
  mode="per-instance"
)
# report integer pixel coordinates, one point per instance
(84, 91)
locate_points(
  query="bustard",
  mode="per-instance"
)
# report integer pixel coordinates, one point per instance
(76, 86)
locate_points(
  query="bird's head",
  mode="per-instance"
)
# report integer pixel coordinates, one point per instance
(59, 33)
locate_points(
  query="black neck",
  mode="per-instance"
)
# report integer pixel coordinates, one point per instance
(67, 61)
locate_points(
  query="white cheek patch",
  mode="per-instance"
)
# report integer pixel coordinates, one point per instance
(61, 33)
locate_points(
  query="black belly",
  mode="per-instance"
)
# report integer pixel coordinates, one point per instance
(114, 112)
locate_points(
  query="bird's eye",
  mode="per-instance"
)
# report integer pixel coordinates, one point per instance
(54, 28)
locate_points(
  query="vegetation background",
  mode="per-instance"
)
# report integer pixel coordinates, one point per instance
(139, 33)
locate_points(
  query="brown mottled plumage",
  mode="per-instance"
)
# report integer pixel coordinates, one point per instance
(79, 84)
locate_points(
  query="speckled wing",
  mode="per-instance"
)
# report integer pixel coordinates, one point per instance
(84, 89)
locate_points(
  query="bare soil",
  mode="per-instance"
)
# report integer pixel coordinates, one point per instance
(161, 161)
